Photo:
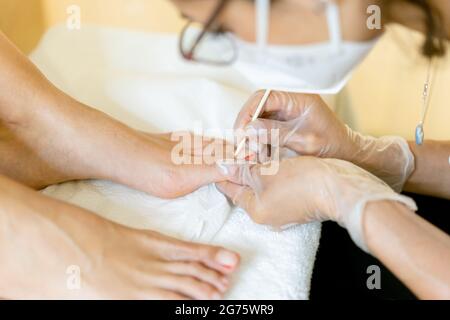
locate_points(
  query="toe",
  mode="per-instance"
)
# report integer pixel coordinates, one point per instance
(220, 259)
(170, 295)
(189, 286)
(200, 272)
(217, 258)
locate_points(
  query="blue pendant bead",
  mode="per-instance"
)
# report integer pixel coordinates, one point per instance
(419, 135)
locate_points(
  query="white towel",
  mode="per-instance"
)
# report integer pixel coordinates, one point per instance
(139, 79)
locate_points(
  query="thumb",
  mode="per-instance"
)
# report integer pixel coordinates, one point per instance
(241, 196)
(284, 134)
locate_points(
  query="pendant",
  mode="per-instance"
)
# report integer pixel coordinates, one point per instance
(419, 134)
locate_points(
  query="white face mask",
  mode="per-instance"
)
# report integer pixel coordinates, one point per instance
(322, 68)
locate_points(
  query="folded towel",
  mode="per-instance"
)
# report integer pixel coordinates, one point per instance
(139, 79)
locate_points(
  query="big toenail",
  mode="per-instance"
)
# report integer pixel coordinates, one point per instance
(226, 259)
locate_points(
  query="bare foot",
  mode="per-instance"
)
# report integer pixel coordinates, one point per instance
(69, 141)
(44, 240)
(47, 137)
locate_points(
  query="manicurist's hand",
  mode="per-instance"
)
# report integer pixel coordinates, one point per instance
(307, 189)
(379, 220)
(307, 126)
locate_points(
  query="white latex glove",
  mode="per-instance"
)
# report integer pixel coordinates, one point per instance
(308, 127)
(308, 189)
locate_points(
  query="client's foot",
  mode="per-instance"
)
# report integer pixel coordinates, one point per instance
(50, 249)
(68, 141)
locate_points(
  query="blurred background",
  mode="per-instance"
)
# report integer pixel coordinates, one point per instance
(383, 97)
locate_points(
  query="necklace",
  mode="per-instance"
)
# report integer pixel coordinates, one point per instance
(425, 104)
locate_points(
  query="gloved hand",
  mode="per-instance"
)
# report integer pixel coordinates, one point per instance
(308, 189)
(307, 126)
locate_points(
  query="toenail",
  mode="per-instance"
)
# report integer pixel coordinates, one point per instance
(226, 259)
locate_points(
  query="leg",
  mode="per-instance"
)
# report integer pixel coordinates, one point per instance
(48, 137)
(70, 141)
(41, 237)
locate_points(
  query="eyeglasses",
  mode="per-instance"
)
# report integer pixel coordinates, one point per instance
(208, 43)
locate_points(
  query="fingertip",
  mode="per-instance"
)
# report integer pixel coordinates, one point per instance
(228, 172)
(222, 168)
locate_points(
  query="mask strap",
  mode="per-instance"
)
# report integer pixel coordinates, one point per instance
(262, 24)
(334, 24)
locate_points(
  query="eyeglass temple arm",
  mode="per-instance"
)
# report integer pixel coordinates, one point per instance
(207, 26)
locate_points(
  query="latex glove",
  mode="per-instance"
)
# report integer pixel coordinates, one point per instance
(308, 189)
(307, 126)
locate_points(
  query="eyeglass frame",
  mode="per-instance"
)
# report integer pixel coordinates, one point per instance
(189, 56)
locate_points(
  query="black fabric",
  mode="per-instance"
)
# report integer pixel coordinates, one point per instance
(340, 271)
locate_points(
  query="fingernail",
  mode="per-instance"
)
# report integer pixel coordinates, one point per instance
(223, 168)
(226, 259)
